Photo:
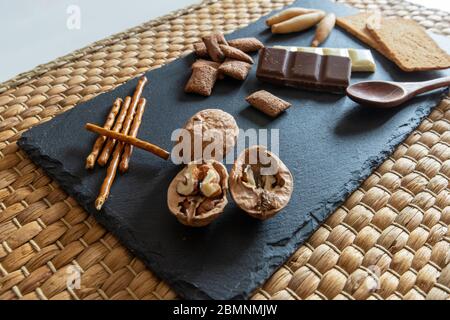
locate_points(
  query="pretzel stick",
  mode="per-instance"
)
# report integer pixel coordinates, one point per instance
(110, 143)
(108, 149)
(141, 144)
(138, 92)
(140, 110)
(112, 168)
(125, 162)
(109, 179)
(98, 145)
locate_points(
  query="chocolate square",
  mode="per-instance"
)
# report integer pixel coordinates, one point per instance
(306, 66)
(304, 70)
(336, 70)
(273, 62)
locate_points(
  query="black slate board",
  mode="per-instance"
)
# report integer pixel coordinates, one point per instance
(329, 143)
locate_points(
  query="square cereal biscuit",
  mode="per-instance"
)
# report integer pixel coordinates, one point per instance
(235, 69)
(267, 103)
(202, 80)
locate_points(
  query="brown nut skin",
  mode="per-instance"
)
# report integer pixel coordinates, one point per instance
(205, 218)
(213, 120)
(249, 199)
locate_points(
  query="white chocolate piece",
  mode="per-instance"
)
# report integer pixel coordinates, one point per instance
(310, 49)
(336, 52)
(362, 60)
(293, 49)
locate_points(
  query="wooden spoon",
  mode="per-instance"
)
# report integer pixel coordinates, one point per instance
(388, 94)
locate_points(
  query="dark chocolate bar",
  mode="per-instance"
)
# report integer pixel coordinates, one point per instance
(304, 70)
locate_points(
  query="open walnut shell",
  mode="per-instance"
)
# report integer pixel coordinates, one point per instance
(198, 194)
(260, 188)
(217, 132)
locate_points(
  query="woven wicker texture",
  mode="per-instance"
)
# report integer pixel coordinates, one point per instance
(390, 240)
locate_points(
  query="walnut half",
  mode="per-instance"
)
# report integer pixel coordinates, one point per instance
(198, 194)
(260, 188)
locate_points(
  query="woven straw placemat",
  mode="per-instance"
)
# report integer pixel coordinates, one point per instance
(390, 239)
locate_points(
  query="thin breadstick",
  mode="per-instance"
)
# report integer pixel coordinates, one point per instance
(141, 144)
(137, 96)
(125, 162)
(298, 23)
(109, 147)
(109, 179)
(129, 118)
(98, 145)
(110, 143)
(138, 92)
(112, 168)
(288, 14)
(324, 29)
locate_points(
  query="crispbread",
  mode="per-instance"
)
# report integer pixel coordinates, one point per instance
(408, 45)
(356, 25)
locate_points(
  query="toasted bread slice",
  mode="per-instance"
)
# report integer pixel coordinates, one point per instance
(408, 45)
(356, 25)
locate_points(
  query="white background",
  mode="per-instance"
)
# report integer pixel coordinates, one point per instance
(35, 31)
